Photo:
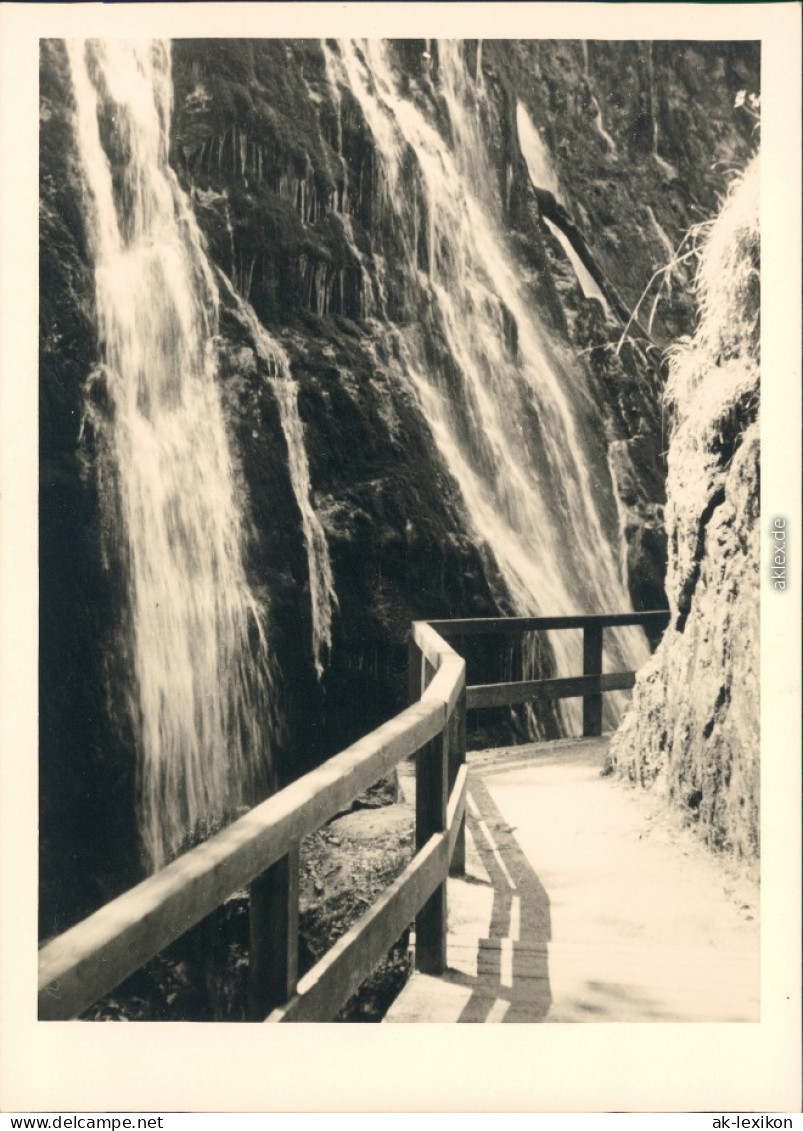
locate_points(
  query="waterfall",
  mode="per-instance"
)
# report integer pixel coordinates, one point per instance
(323, 597)
(669, 170)
(666, 243)
(202, 695)
(322, 587)
(510, 412)
(542, 175)
(599, 126)
(618, 449)
(373, 304)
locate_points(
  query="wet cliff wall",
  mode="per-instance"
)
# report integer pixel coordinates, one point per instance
(692, 729)
(645, 137)
(284, 175)
(641, 139)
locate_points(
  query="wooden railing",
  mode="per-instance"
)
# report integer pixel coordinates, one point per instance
(261, 849)
(591, 685)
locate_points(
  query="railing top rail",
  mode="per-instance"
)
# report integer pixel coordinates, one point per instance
(448, 682)
(431, 643)
(469, 626)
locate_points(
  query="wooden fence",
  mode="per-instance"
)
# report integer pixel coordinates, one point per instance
(261, 849)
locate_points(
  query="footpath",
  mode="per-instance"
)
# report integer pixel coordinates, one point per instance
(583, 900)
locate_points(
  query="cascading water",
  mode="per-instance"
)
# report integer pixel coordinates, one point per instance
(543, 176)
(373, 304)
(203, 693)
(512, 418)
(323, 597)
(322, 588)
(599, 125)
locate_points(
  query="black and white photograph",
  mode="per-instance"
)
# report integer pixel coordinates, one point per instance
(406, 564)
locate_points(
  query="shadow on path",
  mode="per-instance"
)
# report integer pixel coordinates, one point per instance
(512, 981)
(638, 925)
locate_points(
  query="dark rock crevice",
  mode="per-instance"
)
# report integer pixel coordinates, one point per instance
(687, 589)
(554, 211)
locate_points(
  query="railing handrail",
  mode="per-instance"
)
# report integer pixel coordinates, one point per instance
(533, 690)
(590, 686)
(508, 625)
(261, 848)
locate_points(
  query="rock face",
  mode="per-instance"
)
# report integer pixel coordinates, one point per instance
(692, 728)
(634, 151)
(288, 177)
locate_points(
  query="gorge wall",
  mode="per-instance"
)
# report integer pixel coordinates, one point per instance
(425, 256)
(692, 729)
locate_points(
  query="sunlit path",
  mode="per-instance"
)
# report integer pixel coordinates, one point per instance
(581, 903)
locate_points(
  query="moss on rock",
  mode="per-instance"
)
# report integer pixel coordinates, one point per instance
(692, 728)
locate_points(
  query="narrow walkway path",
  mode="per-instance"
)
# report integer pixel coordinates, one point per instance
(581, 902)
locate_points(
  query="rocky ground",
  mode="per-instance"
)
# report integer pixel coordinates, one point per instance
(344, 866)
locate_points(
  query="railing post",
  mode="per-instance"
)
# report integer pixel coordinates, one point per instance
(592, 665)
(273, 950)
(419, 672)
(457, 757)
(414, 688)
(431, 774)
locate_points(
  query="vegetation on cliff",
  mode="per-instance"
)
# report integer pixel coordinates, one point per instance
(692, 728)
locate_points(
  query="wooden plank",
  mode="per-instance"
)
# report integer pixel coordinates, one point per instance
(414, 660)
(338, 975)
(457, 753)
(273, 928)
(333, 980)
(524, 691)
(431, 644)
(592, 666)
(448, 683)
(94, 956)
(456, 812)
(431, 798)
(449, 628)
